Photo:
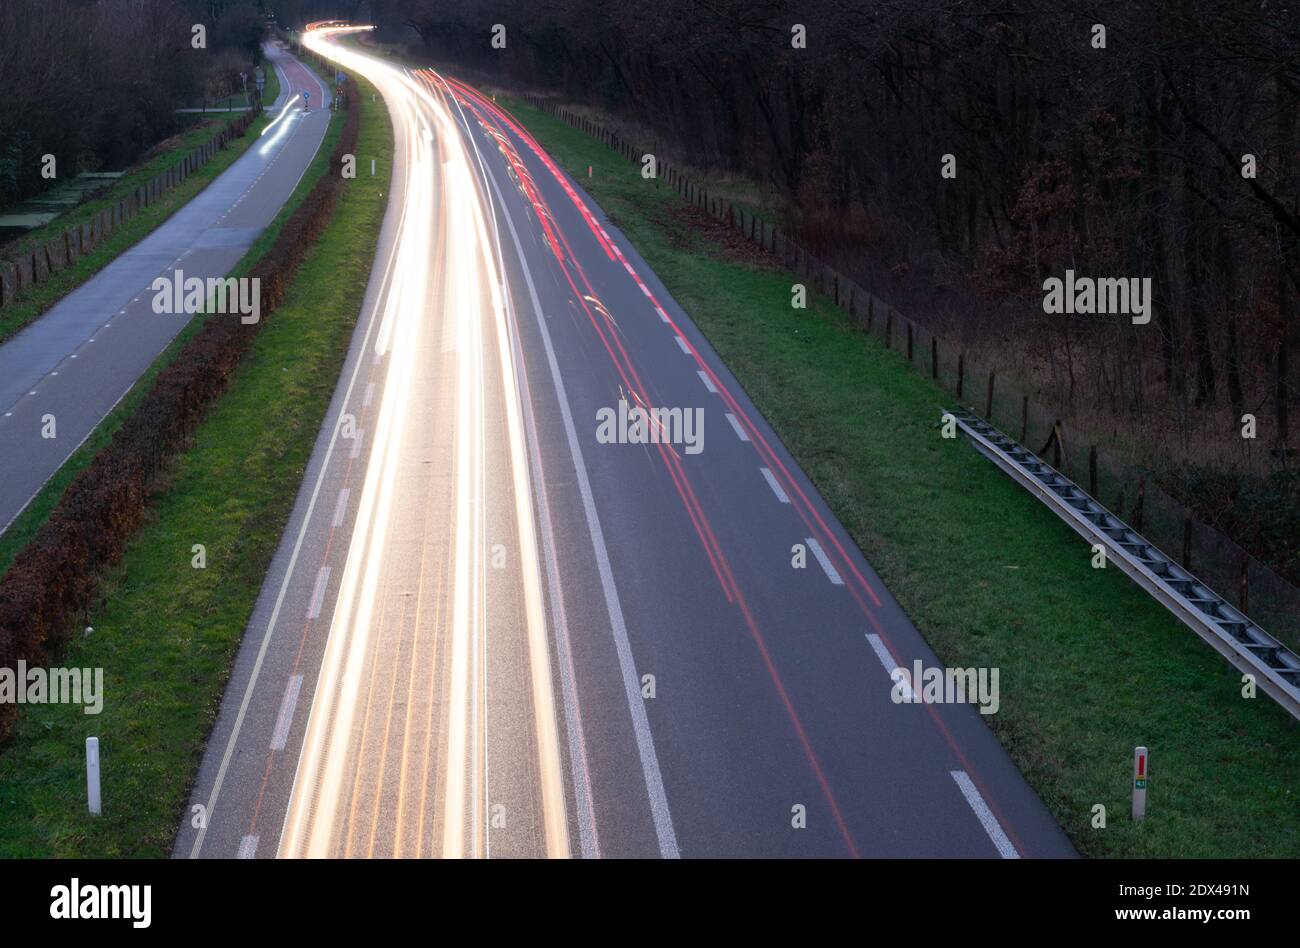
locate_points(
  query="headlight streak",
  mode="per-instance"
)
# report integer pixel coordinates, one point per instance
(439, 181)
(627, 370)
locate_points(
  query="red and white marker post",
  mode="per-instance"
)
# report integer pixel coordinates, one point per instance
(1141, 771)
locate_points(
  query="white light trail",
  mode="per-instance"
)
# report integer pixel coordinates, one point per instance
(439, 188)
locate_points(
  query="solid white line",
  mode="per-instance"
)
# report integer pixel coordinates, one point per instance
(681, 344)
(342, 508)
(890, 664)
(627, 665)
(740, 432)
(708, 383)
(776, 488)
(280, 736)
(985, 815)
(318, 594)
(247, 847)
(824, 560)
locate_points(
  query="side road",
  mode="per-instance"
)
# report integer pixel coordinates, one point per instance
(62, 374)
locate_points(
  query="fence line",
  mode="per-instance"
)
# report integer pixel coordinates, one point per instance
(38, 265)
(1260, 592)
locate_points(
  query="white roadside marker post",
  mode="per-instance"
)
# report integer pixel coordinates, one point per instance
(1141, 771)
(92, 775)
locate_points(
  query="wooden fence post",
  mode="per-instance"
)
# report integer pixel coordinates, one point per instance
(988, 402)
(889, 329)
(1092, 470)
(934, 357)
(909, 340)
(1244, 596)
(1187, 538)
(1024, 418)
(961, 372)
(1141, 502)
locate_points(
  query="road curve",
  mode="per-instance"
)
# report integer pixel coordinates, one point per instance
(489, 631)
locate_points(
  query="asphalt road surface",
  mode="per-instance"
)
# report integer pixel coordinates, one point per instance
(490, 632)
(81, 357)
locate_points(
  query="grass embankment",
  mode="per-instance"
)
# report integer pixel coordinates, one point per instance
(166, 634)
(1090, 666)
(36, 299)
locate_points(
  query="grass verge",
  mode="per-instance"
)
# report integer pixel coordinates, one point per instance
(1090, 666)
(166, 633)
(37, 299)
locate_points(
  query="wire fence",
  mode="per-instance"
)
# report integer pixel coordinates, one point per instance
(38, 264)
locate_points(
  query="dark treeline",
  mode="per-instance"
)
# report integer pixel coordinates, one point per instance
(1122, 161)
(96, 82)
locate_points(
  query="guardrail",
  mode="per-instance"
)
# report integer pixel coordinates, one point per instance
(1275, 668)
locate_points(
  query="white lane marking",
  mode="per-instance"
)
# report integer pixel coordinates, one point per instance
(356, 442)
(985, 815)
(644, 289)
(318, 594)
(662, 315)
(776, 488)
(708, 383)
(247, 847)
(824, 560)
(280, 736)
(341, 508)
(681, 344)
(370, 395)
(631, 682)
(891, 665)
(740, 432)
(228, 753)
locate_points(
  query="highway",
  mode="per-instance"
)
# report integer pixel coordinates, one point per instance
(80, 358)
(490, 633)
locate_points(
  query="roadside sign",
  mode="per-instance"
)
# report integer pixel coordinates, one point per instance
(1141, 773)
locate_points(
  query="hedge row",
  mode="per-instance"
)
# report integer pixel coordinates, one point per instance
(51, 581)
(37, 266)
